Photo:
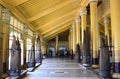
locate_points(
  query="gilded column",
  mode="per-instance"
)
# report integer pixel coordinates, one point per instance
(5, 44)
(56, 45)
(106, 23)
(74, 37)
(115, 23)
(99, 39)
(25, 42)
(93, 15)
(69, 41)
(5, 47)
(71, 34)
(78, 30)
(83, 13)
(24, 48)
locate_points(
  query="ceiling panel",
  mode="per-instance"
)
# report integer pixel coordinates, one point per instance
(59, 22)
(48, 15)
(15, 3)
(33, 7)
(45, 19)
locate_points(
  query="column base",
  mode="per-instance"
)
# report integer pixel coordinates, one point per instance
(31, 64)
(24, 60)
(4, 67)
(95, 66)
(86, 61)
(116, 76)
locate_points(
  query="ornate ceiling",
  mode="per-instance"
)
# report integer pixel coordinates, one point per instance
(48, 17)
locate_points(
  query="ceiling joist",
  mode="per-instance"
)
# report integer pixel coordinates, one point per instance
(15, 3)
(57, 19)
(57, 30)
(56, 33)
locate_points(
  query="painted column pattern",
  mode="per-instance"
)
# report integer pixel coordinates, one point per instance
(115, 23)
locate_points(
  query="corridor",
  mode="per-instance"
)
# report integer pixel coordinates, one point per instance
(61, 68)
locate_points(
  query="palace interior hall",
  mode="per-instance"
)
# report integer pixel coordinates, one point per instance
(59, 39)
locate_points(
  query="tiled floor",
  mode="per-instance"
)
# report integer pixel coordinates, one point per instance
(59, 68)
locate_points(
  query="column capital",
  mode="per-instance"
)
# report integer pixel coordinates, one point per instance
(73, 25)
(93, 1)
(83, 11)
(106, 20)
(57, 37)
(70, 29)
(77, 19)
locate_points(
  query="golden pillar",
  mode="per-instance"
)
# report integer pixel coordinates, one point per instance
(56, 44)
(115, 23)
(33, 40)
(5, 49)
(69, 40)
(94, 27)
(71, 37)
(106, 23)
(24, 48)
(41, 44)
(98, 35)
(33, 43)
(74, 37)
(5, 45)
(83, 13)
(78, 30)
(25, 42)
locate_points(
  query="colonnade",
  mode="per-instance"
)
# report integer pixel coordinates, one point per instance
(79, 26)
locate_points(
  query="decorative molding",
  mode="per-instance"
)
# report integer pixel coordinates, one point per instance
(71, 29)
(77, 19)
(83, 11)
(6, 16)
(93, 1)
(106, 20)
(73, 25)
(25, 29)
